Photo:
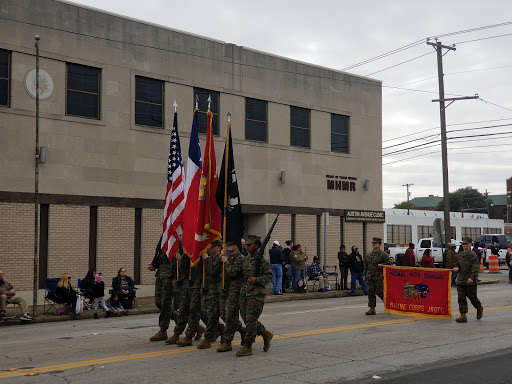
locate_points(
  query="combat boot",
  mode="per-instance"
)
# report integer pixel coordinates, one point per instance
(462, 318)
(173, 339)
(267, 337)
(225, 347)
(479, 312)
(206, 343)
(159, 336)
(371, 311)
(200, 332)
(246, 350)
(185, 342)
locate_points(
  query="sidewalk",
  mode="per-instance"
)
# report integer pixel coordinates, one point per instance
(145, 305)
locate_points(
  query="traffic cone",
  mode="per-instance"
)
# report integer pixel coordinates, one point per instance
(481, 264)
(494, 266)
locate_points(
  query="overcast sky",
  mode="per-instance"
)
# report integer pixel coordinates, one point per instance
(339, 34)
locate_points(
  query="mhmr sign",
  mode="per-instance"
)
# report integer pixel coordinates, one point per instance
(341, 183)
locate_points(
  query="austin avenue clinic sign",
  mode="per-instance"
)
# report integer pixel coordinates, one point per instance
(365, 216)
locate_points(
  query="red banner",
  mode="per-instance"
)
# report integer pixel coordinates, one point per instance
(423, 292)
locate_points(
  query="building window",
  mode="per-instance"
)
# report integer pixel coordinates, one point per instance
(425, 231)
(5, 58)
(339, 133)
(201, 96)
(149, 102)
(401, 235)
(83, 91)
(492, 230)
(255, 120)
(299, 127)
(471, 232)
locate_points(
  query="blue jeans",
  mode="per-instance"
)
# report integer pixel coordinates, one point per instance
(297, 275)
(509, 273)
(357, 276)
(454, 278)
(277, 276)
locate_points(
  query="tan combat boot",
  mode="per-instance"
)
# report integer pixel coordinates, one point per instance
(371, 311)
(159, 336)
(185, 342)
(246, 350)
(462, 318)
(225, 347)
(206, 343)
(267, 337)
(200, 332)
(479, 312)
(173, 339)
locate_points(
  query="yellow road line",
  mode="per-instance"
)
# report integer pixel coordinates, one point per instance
(147, 355)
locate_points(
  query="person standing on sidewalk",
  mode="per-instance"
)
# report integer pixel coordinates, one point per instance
(373, 274)
(508, 259)
(468, 268)
(276, 264)
(451, 261)
(343, 262)
(356, 265)
(288, 267)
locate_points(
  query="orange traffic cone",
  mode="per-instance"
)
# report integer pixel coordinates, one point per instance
(481, 264)
(494, 266)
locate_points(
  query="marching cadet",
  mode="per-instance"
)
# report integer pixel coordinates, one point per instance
(468, 268)
(210, 295)
(256, 275)
(373, 275)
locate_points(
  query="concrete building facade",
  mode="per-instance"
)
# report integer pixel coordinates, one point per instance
(306, 139)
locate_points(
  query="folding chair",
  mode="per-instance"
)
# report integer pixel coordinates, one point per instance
(307, 279)
(50, 299)
(15, 312)
(335, 274)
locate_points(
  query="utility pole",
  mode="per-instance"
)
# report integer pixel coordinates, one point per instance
(444, 150)
(407, 185)
(487, 203)
(36, 187)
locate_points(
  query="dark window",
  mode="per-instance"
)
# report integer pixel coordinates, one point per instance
(255, 120)
(339, 133)
(83, 91)
(149, 102)
(201, 96)
(299, 127)
(5, 58)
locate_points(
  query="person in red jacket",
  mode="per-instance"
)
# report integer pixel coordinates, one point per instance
(409, 257)
(427, 261)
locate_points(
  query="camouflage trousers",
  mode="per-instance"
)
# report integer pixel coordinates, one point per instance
(229, 313)
(210, 306)
(375, 288)
(164, 292)
(250, 309)
(467, 292)
(190, 311)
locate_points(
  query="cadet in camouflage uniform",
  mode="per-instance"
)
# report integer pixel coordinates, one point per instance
(373, 275)
(230, 299)
(210, 295)
(164, 290)
(252, 296)
(468, 268)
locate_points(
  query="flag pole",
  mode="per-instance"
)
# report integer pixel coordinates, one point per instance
(226, 161)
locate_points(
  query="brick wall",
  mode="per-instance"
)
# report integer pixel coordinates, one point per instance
(68, 241)
(283, 229)
(333, 241)
(116, 231)
(17, 244)
(354, 236)
(151, 231)
(375, 230)
(306, 234)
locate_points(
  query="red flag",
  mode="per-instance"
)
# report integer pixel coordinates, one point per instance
(208, 220)
(174, 196)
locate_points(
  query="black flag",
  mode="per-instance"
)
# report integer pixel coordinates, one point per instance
(234, 221)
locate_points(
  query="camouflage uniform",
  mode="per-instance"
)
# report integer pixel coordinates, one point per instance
(230, 301)
(210, 295)
(469, 267)
(374, 275)
(252, 296)
(164, 290)
(190, 297)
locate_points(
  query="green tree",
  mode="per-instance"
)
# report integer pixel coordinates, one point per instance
(403, 205)
(465, 199)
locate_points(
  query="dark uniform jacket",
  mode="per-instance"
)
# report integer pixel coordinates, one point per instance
(233, 271)
(469, 267)
(355, 262)
(371, 262)
(263, 276)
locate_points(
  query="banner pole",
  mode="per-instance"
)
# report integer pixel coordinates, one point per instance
(226, 161)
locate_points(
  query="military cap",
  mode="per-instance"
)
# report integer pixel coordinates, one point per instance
(251, 239)
(217, 243)
(467, 240)
(377, 240)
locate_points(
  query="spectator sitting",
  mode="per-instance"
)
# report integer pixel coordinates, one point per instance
(8, 296)
(316, 273)
(87, 284)
(98, 292)
(115, 306)
(65, 293)
(392, 261)
(427, 261)
(124, 287)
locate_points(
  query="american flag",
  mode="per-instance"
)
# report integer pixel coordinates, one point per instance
(174, 196)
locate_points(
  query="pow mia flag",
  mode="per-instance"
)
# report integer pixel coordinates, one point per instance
(234, 221)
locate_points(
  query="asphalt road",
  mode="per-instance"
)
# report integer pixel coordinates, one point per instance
(316, 341)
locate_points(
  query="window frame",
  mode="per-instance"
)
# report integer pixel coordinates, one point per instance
(215, 119)
(308, 128)
(83, 92)
(249, 99)
(8, 78)
(346, 135)
(162, 105)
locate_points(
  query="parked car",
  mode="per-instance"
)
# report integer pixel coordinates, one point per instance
(486, 242)
(437, 251)
(388, 245)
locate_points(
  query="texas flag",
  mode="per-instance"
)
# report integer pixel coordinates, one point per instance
(192, 182)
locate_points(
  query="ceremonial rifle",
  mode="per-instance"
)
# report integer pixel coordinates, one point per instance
(264, 243)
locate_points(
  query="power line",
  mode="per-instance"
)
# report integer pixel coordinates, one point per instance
(496, 105)
(484, 38)
(403, 62)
